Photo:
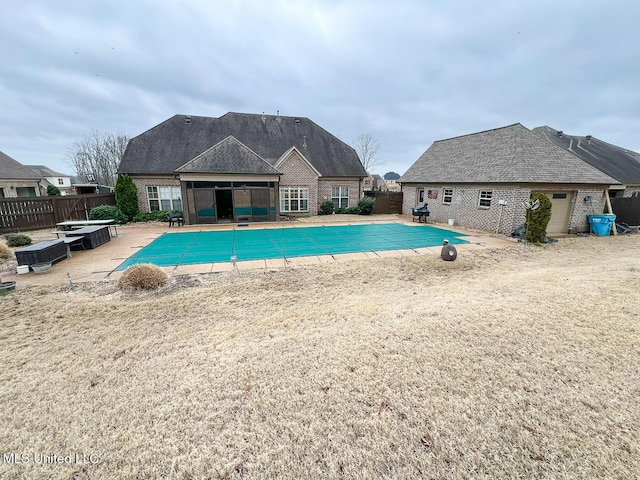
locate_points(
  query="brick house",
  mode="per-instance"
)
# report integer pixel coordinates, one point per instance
(17, 180)
(482, 180)
(241, 167)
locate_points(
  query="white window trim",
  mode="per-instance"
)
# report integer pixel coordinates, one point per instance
(481, 198)
(343, 193)
(175, 194)
(300, 197)
(444, 196)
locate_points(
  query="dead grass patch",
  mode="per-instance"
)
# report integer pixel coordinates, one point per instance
(506, 363)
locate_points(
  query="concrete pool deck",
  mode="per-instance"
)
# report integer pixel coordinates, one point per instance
(99, 264)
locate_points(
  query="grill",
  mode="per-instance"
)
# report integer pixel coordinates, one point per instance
(420, 213)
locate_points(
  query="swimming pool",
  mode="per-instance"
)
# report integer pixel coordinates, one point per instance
(187, 248)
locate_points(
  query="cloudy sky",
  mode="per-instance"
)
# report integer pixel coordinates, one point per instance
(407, 72)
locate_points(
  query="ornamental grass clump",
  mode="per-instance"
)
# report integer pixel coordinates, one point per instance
(143, 276)
(5, 252)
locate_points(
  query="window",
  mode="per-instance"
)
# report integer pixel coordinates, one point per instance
(294, 199)
(485, 198)
(340, 196)
(447, 195)
(559, 196)
(164, 198)
(60, 181)
(421, 195)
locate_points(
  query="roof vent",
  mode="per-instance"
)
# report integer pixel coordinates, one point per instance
(559, 133)
(264, 118)
(588, 137)
(298, 121)
(187, 119)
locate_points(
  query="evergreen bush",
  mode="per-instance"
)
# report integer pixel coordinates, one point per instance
(126, 195)
(17, 240)
(108, 212)
(538, 219)
(365, 205)
(52, 190)
(326, 208)
(155, 216)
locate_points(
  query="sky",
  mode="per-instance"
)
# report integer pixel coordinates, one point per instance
(408, 72)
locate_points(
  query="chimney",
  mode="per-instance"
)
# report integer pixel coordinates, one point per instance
(559, 133)
(588, 137)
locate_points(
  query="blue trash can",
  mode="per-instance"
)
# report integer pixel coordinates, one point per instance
(602, 224)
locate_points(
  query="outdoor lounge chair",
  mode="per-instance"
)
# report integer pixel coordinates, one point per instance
(175, 217)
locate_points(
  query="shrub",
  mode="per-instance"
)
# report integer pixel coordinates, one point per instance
(17, 240)
(53, 190)
(538, 219)
(156, 215)
(143, 276)
(340, 210)
(107, 212)
(365, 205)
(326, 208)
(5, 252)
(126, 195)
(352, 210)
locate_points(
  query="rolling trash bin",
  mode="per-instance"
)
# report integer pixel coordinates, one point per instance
(602, 224)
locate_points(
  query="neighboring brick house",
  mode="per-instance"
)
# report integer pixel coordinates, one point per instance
(619, 163)
(241, 167)
(17, 180)
(51, 177)
(482, 180)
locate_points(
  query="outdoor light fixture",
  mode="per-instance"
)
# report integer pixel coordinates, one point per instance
(587, 199)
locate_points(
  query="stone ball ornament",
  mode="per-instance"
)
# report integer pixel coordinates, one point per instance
(448, 252)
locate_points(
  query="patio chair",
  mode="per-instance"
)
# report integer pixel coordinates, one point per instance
(175, 218)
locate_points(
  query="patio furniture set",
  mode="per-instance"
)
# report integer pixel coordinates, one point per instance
(87, 234)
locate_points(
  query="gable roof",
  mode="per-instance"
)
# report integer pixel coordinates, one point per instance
(617, 162)
(180, 139)
(12, 169)
(228, 156)
(511, 154)
(44, 171)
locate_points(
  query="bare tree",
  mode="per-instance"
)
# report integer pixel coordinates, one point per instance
(98, 156)
(367, 148)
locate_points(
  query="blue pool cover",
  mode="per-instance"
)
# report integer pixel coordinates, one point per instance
(173, 249)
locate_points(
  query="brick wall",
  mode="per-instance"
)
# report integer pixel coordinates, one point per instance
(324, 190)
(141, 184)
(578, 221)
(297, 173)
(464, 209)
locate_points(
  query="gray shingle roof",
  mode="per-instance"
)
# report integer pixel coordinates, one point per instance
(229, 156)
(12, 169)
(178, 140)
(617, 162)
(511, 154)
(44, 171)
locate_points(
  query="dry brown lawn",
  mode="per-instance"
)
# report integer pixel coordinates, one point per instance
(507, 363)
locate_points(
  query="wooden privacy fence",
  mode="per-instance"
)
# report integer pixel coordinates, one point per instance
(386, 202)
(33, 213)
(627, 210)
